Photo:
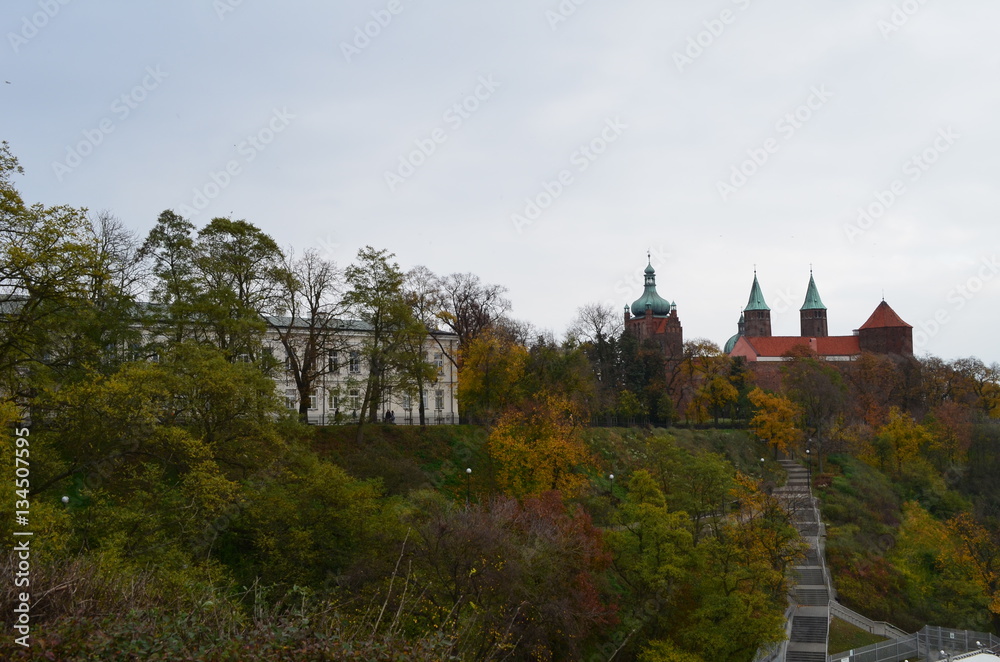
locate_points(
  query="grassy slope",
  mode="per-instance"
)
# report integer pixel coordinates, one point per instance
(846, 637)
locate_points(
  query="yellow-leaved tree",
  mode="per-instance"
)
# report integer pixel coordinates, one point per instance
(900, 441)
(537, 447)
(775, 419)
(491, 374)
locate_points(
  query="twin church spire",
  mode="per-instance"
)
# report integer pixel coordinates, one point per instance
(755, 322)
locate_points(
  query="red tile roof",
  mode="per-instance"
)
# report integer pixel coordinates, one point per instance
(838, 346)
(829, 346)
(883, 317)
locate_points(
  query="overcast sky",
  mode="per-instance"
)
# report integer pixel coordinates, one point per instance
(547, 146)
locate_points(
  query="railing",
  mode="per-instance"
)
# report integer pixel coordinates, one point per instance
(434, 417)
(879, 628)
(931, 644)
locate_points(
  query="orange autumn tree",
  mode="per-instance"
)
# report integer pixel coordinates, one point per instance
(537, 447)
(774, 419)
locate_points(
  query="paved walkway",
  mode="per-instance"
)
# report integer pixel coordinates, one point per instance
(810, 595)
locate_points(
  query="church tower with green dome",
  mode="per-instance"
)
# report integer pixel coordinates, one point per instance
(812, 315)
(651, 317)
(757, 315)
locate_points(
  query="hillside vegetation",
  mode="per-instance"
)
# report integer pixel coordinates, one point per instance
(180, 510)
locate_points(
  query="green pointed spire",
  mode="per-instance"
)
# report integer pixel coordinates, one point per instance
(756, 301)
(812, 302)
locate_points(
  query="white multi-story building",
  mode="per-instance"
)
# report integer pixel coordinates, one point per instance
(338, 391)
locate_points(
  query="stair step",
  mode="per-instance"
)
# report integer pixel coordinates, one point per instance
(812, 597)
(809, 530)
(804, 656)
(809, 629)
(810, 577)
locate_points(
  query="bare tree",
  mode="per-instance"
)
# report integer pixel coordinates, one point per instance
(309, 294)
(598, 327)
(470, 305)
(596, 323)
(121, 270)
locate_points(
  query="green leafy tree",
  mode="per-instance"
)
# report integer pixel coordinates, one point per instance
(375, 297)
(176, 289)
(48, 258)
(422, 291)
(238, 267)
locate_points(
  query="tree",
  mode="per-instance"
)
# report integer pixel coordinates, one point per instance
(563, 371)
(701, 363)
(491, 378)
(48, 258)
(597, 328)
(653, 546)
(982, 383)
(537, 447)
(713, 398)
(152, 453)
(643, 370)
(170, 247)
(106, 330)
(524, 579)
(422, 291)
(876, 385)
(774, 420)
(741, 586)
(312, 334)
(471, 306)
(820, 393)
(375, 297)
(238, 265)
(981, 550)
(310, 522)
(901, 441)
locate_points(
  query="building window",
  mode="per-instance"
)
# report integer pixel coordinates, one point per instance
(355, 399)
(355, 366)
(439, 399)
(291, 398)
(334, 360)
(439, 362)
(312, 399)
(288, 359)
(407, 401)
(334, 401)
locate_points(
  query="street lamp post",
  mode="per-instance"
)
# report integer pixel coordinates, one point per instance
(809, 461)
(611, 477)
(468, 484)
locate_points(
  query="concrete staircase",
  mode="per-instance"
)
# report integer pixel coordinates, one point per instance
(810, 595)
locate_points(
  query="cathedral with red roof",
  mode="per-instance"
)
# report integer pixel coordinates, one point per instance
(885, 332)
